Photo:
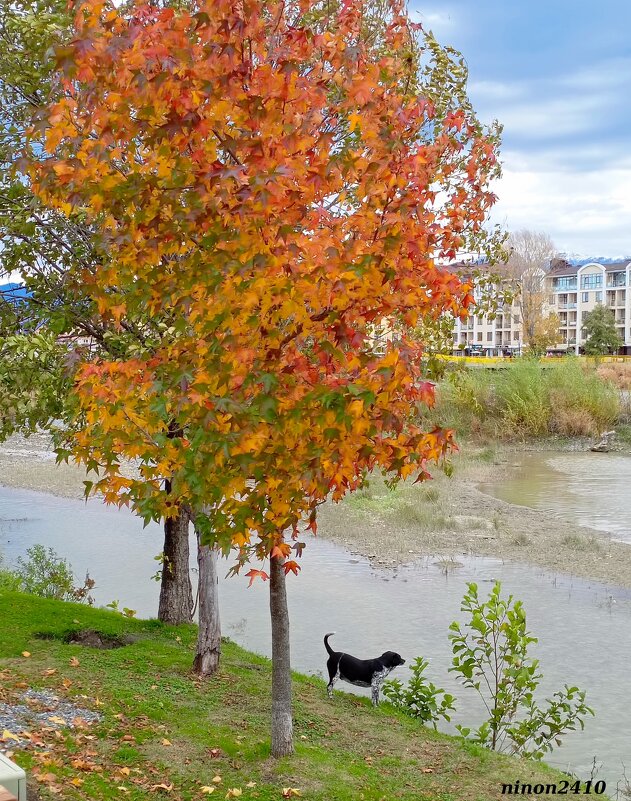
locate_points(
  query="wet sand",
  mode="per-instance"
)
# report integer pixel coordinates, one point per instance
(444, 518)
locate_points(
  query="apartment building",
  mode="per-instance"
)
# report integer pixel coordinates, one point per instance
(499, 334)
(574, 291)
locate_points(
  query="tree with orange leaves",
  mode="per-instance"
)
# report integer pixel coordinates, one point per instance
(276, 188)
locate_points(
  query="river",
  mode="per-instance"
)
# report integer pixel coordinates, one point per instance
(583, 626)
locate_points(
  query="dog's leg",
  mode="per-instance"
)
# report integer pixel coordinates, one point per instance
(375, 685)
(334, 674)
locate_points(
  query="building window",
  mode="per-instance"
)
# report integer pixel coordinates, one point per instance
(591, 281)
(515, 335)
(564, 283)
(585, 297)
(489, 336)
(599, 297)
(479, 336)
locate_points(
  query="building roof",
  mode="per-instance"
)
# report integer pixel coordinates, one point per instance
(561, 268)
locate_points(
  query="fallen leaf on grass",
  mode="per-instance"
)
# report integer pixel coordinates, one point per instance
(207, 789)
(8, 735)
(291, 792)
(73, 661)
(166, 787)
(427, 770)
(166, 742)
(26, 654)
(217, 779)
(235, 792)
(49, 672)
(251, 784)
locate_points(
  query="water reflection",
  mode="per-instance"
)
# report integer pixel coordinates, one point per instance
(583, 626)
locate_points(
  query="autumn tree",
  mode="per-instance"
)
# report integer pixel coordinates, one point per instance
(48, 250)
(529, 257)
(599, 330)
(277, 187)
(545, 334)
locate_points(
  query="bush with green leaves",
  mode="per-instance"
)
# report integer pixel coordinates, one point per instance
(48, 575)
(491, 657)
(9, 581)
(420, 698)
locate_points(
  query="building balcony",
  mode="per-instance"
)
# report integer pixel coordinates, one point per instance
(566, 306)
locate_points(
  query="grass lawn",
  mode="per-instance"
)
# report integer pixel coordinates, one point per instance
(165, 734)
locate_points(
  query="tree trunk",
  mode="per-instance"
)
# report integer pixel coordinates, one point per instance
(209, 636)
(282, 725)
(176, 594)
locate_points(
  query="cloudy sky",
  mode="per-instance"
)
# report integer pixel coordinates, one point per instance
(557, 74)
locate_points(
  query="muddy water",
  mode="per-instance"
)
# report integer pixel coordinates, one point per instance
(591, 489)
(583, 627)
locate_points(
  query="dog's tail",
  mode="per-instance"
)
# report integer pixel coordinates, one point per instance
(326, 642)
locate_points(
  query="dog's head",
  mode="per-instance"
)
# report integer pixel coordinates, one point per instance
(391, 659)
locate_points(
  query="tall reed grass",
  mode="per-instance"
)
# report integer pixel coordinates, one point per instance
(527, 399)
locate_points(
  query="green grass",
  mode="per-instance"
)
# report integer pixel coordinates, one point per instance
(527, 400)
(162, 726)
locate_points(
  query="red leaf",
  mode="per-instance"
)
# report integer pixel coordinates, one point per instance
(253, 574)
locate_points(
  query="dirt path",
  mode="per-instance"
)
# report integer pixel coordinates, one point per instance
(445, 518)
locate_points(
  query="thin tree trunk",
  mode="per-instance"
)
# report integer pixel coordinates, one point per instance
(176, 594)
(282, 725)
(209, 636)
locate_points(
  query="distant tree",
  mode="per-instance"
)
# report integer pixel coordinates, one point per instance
(601, 336)
(546, 334)
(530, 253)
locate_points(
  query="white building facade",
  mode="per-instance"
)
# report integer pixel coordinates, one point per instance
(574, 291)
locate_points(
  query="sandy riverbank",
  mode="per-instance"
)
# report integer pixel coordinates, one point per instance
(444, 518)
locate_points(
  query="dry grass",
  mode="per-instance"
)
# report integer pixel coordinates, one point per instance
(618, 373)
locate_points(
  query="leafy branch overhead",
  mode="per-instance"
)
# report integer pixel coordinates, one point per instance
(274, 185)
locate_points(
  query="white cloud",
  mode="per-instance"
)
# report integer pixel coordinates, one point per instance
(436, 21)
(587, 212)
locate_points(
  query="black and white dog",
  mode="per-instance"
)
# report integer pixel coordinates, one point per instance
(360, 672)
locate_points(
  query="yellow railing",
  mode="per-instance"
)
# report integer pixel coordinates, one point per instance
(506, 360)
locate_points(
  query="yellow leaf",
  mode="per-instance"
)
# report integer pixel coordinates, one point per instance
(26, 654)
(291, 792)
(235, 792)
(354, 120)
(166, 742)
(74, 662)
(217, 779)
(207, 789)
(7, 735)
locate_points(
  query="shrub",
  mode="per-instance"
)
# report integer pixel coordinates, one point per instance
(46, 574)
(527, 399)
(420, 698)
(491, 657)
(9, 581)
(523, 399)
(581, 393)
